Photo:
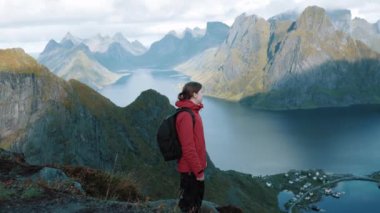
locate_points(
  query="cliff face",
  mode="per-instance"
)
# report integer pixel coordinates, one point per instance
(45, 118)
(25, 93)
(308, 63)
(366, 32)
(237, 63)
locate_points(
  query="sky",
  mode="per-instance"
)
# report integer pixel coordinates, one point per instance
(30, 24)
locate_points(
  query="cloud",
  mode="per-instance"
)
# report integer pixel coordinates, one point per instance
(31, 22)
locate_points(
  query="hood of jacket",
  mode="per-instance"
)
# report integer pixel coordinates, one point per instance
(189, 104)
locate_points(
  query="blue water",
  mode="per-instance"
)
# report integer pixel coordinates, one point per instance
(359, 197)
(284, 197)
(339, 140)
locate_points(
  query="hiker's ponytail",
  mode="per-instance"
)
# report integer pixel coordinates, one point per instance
(188, 90)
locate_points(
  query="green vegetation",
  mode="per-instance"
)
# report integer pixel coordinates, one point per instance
(32, 192)
(5, 192)
(97, 183)
(16, 60)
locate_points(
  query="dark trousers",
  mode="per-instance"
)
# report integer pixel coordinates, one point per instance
(191, 193)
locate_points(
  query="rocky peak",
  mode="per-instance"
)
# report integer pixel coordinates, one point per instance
(216, 28)
(118, 37)
(314, 19)
(341, 19)
(246, 28)
(188, 33)
(360, 21)
(360, 24)
(52, 45)
(117, 50)
(198, 32)
(172, 33)
(286, 16)
(70, 37)
(68, 44)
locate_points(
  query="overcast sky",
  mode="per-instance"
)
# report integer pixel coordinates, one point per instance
(30, 24)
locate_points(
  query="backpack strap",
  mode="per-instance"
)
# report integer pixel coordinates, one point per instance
(189, 111)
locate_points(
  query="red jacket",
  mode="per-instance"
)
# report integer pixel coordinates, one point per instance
(192, 139)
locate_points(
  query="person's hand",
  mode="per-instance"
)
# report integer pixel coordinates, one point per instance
(201, 177)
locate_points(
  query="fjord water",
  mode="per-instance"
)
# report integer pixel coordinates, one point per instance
(358, 196)
(259, 142)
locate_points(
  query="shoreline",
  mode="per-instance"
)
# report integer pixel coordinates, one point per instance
(344, 179)
(309, 187)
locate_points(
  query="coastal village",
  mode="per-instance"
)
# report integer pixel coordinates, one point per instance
(309, 187)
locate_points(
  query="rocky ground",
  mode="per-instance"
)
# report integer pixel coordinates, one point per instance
(50, 188)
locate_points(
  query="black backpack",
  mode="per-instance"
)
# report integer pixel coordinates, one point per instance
(167, 137)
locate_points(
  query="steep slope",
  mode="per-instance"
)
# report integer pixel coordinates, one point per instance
(358, 28)
(52, 121)
(81, 67)
(318, 66)
(367, 33)
(75, 61)
(308, 63)
(341, 19)
(25, 86)
(229, 69)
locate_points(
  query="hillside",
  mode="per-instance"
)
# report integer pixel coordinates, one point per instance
(68, 123)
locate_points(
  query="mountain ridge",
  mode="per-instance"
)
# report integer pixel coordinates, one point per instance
(309, 44)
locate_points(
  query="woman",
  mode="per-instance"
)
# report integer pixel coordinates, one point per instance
(192, 164)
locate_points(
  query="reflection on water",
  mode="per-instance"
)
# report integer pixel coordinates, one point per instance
(341, 140)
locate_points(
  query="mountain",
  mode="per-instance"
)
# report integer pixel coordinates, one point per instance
(291, 15)
(116, 57)
(71, 59)
(136, 48)
(358, 28)
(117, 53)
(101, 44)
(57, 122)
(70, 40)
(86, 59)
(367, 33)
(341, 19)
(174, 49)
(236, 62)
(308, 63)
